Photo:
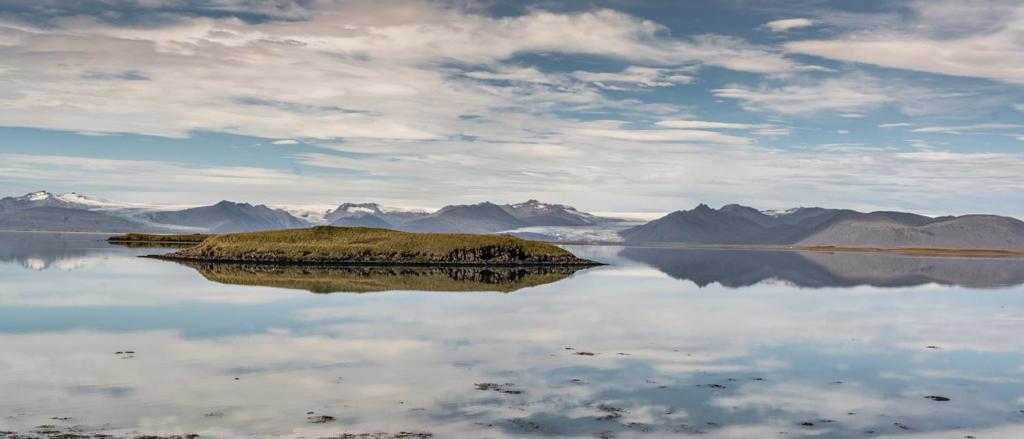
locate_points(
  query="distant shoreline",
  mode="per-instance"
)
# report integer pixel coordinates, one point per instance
(908, 251)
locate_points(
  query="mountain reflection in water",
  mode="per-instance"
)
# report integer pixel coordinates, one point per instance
(369, 279)
(743, 268)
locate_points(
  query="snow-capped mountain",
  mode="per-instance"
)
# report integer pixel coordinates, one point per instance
(40, 199)
(390, 215)
(536, 213)
(780, 212)
(72, 200)
(45, 210)
(315, 214)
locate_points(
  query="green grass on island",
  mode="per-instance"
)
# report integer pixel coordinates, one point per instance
(326, 245)
(158, 238)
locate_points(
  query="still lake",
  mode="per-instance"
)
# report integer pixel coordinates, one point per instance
(659, 343)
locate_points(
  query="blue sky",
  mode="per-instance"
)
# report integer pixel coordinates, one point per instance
(610, 106)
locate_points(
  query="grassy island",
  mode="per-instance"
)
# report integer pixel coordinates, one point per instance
(153, 238)
(326, 245)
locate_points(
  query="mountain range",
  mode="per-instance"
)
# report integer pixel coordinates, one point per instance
(732, 224)
(74, 212)
(467, 218)
(742, 225)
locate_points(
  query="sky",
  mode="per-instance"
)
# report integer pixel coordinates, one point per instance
(610, 106)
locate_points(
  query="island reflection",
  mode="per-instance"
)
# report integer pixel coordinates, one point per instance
(371, 279)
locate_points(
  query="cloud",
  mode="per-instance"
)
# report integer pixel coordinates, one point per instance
(920, 144)
(959, 129)
(337, 70)
(857, 92)
(971, 39)
(787, 24)
(772, 132)
(842, 94)
(895, 125)
(640, 76)
(666, 135)
(764, 130)
(703, 124)
(286, 142)
(514, 73)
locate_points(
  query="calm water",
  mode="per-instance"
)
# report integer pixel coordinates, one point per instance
(683, 342)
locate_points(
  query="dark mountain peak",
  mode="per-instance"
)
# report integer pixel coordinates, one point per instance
(739, 208)
(485, 217)
(486, 205)
(816, 226)
(228, 216)
(348, 205)
(366, 220)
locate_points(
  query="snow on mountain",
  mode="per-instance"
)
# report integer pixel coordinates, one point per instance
(780, 212)
(313, 213)
(72, 200)
(391, 215)
(536, 213)
(76, 198)
(39, 196)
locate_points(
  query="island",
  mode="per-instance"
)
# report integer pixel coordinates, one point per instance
(326, 245)
(155, 238)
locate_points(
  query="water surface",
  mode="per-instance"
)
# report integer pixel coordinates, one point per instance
(661, 343)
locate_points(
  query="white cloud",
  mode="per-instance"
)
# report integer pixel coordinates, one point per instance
(772, 132)
(764, 130)
(666, 135)
(286, 142)
(514, 73)
(852, 115)
(641, 76)
(787, 24)
(951, 37)
(920, 144)
(703, 124)
(959, 129)
(843, 131)
(842, 94)
(895, 125)
(854, 92)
